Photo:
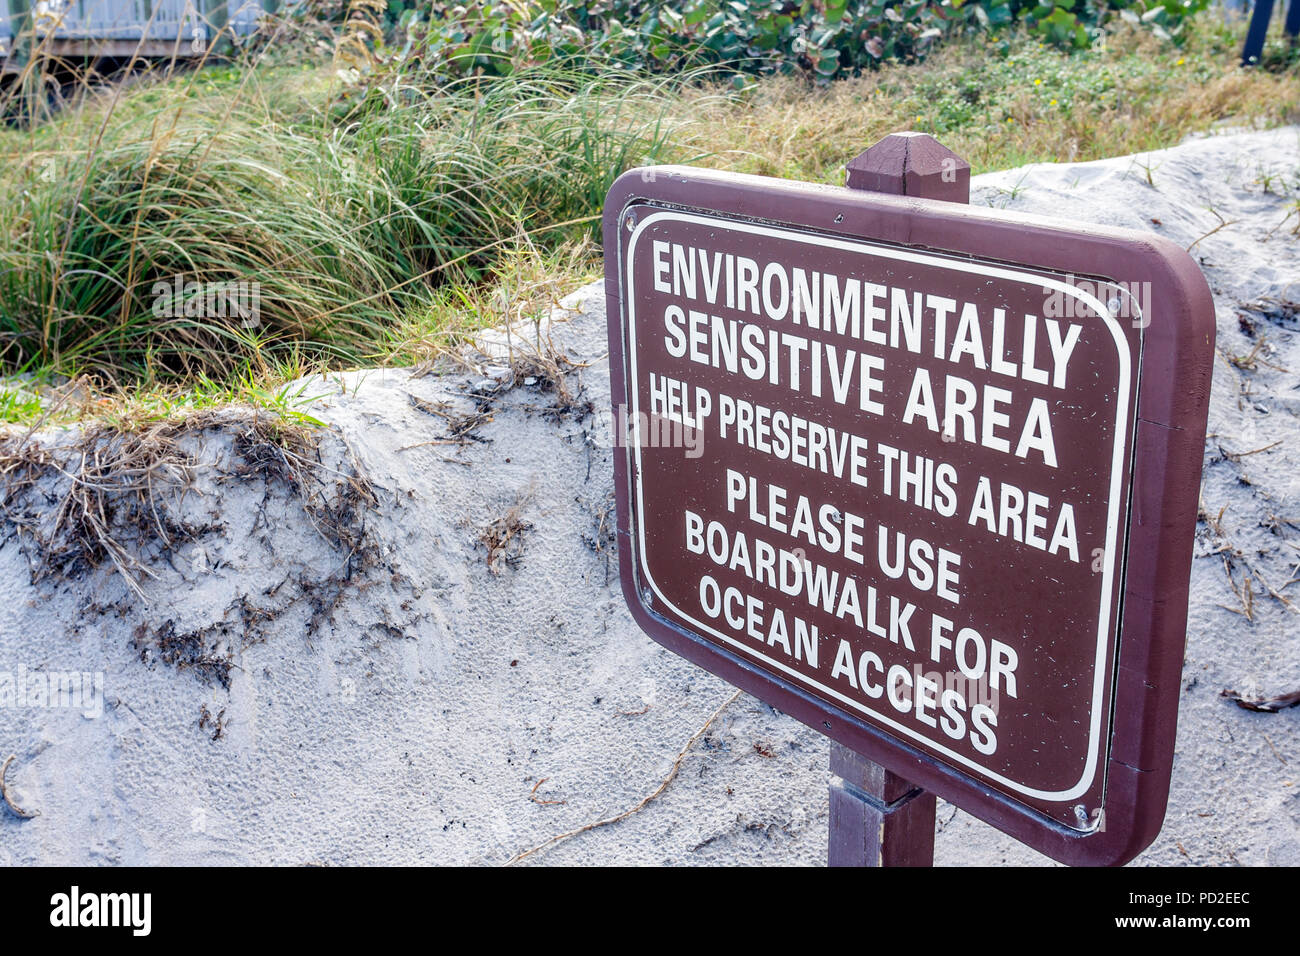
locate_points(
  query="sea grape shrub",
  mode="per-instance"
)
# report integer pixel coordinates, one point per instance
(821, 39)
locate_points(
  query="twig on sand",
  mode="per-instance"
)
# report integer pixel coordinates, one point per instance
(1264, 705)
(1223, 224)
(1280, 758)
(532, 795)
(9, 801)
(1238, 455)
(640, 805)
(436, 441)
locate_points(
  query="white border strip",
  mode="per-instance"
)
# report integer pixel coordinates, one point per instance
(1112, 519)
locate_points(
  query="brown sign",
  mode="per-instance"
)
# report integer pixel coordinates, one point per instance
(922, 476)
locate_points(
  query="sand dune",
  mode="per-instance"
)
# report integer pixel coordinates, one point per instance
(414, 650)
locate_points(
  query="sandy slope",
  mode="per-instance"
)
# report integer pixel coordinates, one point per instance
(403, 707)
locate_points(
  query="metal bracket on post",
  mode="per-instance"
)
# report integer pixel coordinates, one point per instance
(877, 818)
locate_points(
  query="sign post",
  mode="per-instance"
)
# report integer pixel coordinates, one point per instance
(876, 817)
(921, 475)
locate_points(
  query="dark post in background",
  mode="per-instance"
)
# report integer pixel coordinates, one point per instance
(1258, 29)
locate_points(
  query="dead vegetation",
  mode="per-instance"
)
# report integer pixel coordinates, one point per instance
(547, 370)
(602, 540)
(544, 369)
(1252, 360)
(1283, 313)
(105, 496)
(1244, 557)
(533, 797)
(207, 652)
(216, 723)
(1236, 564)
(504, 536)
(462, 427)
(1264, 705)
(115, 495)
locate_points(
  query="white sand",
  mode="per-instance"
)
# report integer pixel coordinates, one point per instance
(414, 724)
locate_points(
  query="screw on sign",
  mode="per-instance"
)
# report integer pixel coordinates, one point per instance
(940, 492)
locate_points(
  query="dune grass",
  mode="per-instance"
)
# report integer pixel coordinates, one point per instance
(383, 228)
(1001, 105)
(343, 222)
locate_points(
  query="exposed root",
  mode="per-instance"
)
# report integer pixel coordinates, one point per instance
(118, 488)
(639, 805)
(114, 494)
(111, 488)
(206, 651)
(547, 369)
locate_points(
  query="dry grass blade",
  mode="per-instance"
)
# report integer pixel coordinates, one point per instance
(1245, 593)
(1233, 555)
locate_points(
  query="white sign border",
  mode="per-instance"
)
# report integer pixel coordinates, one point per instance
(1113, 516)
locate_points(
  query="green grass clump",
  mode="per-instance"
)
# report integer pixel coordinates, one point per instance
(344, 219)
(18, 405)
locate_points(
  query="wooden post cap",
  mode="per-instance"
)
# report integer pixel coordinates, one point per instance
(911, 164)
